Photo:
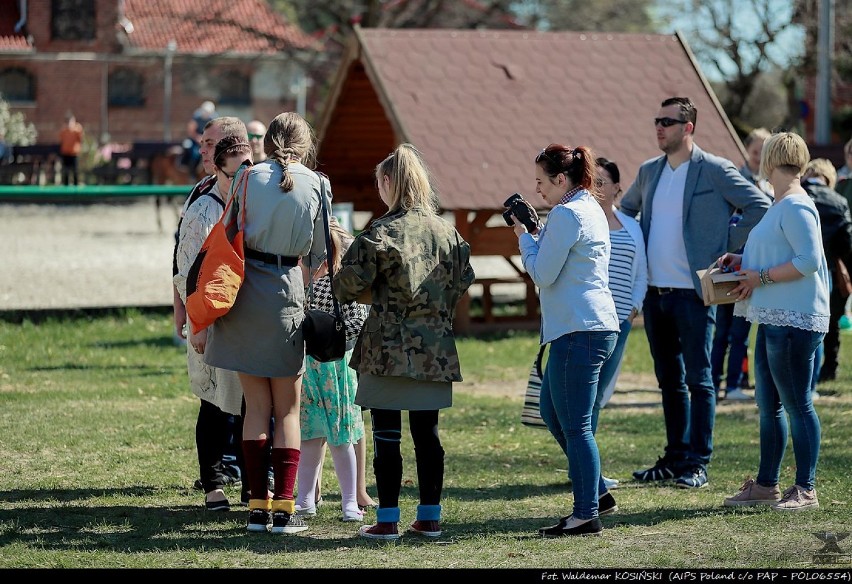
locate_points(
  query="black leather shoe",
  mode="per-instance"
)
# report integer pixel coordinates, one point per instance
(606, 504)
(591, 527)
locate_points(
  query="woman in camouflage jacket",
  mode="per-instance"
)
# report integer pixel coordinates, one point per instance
(412, 267)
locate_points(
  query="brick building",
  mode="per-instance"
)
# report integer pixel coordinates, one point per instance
(135, 70)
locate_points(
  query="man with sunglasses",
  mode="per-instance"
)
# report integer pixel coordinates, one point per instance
(684, 200)
(256, 132)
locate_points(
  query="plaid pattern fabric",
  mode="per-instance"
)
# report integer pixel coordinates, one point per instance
(354, 314)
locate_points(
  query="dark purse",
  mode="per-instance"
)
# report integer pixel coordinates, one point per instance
(325, 333)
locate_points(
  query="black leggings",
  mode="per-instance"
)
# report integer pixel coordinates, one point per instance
(387, 459)
(211, 438)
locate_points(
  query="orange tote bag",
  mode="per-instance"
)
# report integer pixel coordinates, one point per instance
(219, 268)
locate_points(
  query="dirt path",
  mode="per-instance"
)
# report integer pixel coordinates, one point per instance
(68, 256)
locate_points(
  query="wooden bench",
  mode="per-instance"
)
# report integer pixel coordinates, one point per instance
(531, 298)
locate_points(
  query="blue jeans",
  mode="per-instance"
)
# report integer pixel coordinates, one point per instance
(609, 369)
(731, 336)
(680, 332)
(568, 391)
(784, 363)
(818, 354)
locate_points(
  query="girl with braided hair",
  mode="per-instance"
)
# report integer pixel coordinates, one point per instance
(261, 337)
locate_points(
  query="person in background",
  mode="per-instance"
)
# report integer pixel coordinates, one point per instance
(844, 187)
(219, 390)
(786, 293)
(628, 282)
(412, 267)
(190, 158)
(732, 332)
(844, 174)
(256, 132)
(328, 411)
(261, 336)
(686, 198)
(203, 114)
(5, 150)
(568, 259)
(70, 146)
(836, 227)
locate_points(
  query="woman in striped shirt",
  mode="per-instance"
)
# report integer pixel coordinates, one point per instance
(628, 274)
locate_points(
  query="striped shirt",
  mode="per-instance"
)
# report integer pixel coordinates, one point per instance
(623, 250)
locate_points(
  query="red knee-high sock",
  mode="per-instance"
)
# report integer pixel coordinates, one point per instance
(285, 463)
(254, 453)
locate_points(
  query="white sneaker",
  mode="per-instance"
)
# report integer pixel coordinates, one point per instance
(305, 511)
(815, 395)
(737, 395)
(610, 483)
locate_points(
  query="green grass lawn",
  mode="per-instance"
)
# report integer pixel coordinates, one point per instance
(98, 460)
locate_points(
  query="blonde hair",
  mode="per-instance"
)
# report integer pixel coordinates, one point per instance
(824, 168)
(290, 138)
(340, 242)
(784, 150)
(410, 180)
(757, 134)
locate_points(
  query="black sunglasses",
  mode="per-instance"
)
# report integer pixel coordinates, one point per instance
(544, 154)
(255, 136)
(668, 122)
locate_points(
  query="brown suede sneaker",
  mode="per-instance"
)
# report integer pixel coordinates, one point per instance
(797, 499)
(752, 493)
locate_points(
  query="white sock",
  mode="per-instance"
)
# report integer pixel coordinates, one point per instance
(346, 469)
(308, 473)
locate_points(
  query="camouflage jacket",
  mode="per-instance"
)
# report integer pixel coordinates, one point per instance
(415, 267)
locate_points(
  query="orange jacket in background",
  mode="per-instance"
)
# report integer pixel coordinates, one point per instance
(71, 140)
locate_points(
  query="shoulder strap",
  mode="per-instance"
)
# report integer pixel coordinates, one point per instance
(201, 188)
(328, 261)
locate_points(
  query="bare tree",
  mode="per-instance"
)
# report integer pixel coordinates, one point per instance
(740, 40)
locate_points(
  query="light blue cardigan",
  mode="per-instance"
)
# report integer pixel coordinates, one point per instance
(790, 231)
(569, 262)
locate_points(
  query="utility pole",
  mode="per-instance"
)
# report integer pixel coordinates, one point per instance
(167, 91)
(825, 50)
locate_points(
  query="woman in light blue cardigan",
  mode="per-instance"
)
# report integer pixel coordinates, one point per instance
(568, 260)
(786, 293)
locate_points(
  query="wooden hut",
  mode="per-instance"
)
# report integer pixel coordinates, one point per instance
(481, 104)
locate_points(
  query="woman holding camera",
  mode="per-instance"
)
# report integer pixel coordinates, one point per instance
(568, 259)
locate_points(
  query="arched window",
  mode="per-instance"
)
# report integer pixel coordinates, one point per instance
(234, 88)
(126, 88)
(17, 85)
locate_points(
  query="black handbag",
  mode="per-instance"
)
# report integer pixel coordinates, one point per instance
(325, 333)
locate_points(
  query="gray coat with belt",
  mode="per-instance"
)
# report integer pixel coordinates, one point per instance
(714, 188)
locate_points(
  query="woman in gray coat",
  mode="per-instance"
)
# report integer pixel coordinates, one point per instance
(261, 336)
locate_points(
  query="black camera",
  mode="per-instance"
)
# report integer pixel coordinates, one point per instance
(516, 205)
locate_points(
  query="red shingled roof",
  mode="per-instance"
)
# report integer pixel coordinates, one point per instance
(212, 26)
(481, 104)
(9, 39)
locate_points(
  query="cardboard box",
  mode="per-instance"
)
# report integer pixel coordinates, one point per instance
(715, 285)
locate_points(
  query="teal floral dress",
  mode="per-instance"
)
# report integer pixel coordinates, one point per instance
(328, 407)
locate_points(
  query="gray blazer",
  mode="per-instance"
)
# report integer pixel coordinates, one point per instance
(714, 189)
